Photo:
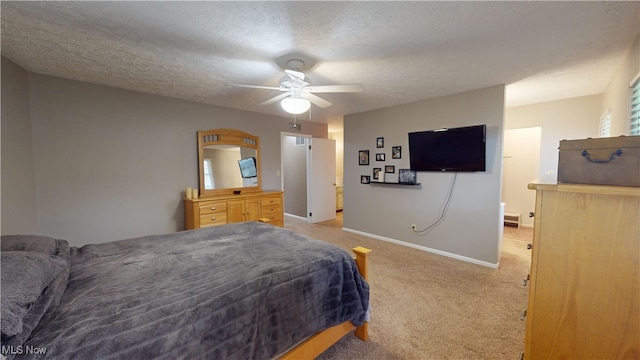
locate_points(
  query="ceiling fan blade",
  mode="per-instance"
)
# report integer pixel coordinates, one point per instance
(335, 88)
(257, 87)
(316, 100)
(274, 99)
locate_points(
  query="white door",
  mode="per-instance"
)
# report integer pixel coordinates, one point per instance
(321, 180)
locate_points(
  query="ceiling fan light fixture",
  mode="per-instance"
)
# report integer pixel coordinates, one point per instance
(295, 105)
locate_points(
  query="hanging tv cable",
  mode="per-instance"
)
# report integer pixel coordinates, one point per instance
(426, 230)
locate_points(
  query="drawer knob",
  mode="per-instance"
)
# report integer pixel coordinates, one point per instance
(213, 218)
(213, 208)
(529, 246)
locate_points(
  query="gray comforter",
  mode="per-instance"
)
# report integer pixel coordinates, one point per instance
(240, 291)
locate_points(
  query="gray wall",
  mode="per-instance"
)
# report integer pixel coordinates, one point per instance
(295, 177)
(470, 229)
(19, 210)
(111, 163)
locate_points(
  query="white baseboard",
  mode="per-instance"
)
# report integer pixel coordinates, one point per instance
(296, 216)
(424, 248)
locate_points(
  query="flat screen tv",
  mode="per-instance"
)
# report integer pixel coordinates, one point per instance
(248, 167)
(456, 149)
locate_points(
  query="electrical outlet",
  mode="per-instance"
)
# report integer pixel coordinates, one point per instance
(413, 227)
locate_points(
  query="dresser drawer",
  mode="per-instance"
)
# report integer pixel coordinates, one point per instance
(269, 211)
(272, 209)
(213, 207)
(271, 200)
(274, 214)
(273, 218)
(213, 219)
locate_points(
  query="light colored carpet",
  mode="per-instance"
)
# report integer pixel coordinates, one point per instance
(427, 306)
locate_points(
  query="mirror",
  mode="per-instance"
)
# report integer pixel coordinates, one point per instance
(228, 161)
(222, 167)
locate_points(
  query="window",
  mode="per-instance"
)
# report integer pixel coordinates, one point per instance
(605, 125)
(634, 106)
(208, 175)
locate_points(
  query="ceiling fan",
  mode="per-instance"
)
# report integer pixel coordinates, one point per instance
(297, 95)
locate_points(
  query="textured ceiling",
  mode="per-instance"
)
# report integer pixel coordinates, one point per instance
(399, 51)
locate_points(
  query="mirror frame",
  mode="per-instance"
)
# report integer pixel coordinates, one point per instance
(226, 137)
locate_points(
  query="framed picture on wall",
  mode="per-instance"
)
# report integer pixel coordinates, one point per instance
(365, 179)
(380, 142)
(390, 169)
(396, 152)
(376, 173)
(380, 157)
(406, 176)
(363, 157)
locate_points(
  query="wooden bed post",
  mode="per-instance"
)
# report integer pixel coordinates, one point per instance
(318, 343)
(362, 261)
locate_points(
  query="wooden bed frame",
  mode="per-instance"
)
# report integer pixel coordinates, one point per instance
(318, 343)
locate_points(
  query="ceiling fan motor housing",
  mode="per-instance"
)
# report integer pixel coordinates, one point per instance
(295, 64)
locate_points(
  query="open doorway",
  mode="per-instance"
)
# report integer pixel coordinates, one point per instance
(338, 136)
(308, 177)
(294, 173)
(520, 167)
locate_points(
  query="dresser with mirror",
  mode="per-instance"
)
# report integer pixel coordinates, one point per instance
(230, 185)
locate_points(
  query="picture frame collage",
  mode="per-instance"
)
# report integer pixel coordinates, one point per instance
(405, 176)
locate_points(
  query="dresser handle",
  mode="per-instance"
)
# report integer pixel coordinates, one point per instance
(213, 208)
(524, 314)
(529, 246)
(213, 218)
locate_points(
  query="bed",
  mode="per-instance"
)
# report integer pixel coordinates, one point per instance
(238, 291)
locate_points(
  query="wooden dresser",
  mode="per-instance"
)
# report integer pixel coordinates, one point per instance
(226, 209)
(584, 299)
